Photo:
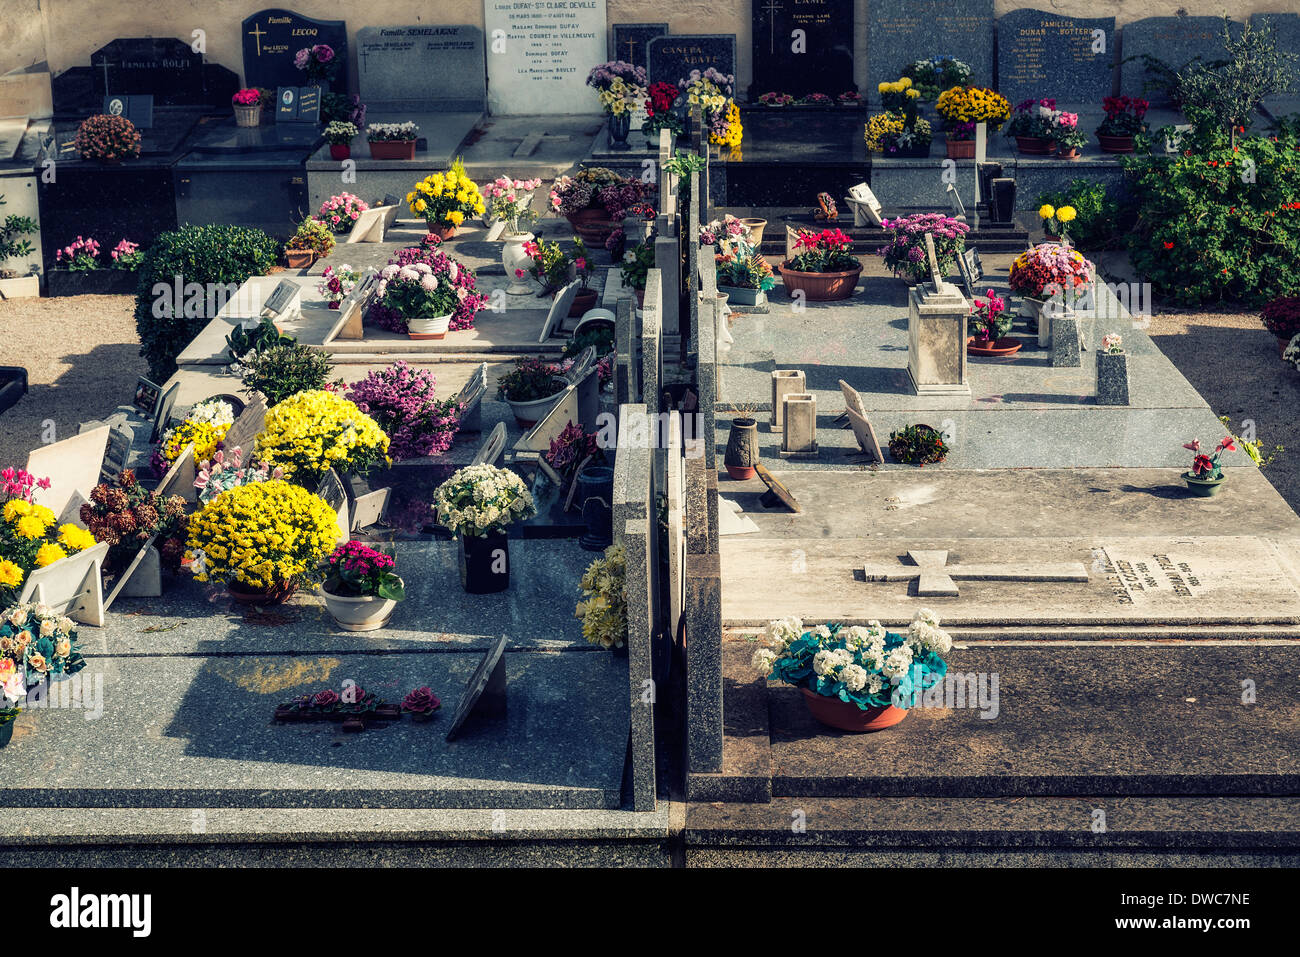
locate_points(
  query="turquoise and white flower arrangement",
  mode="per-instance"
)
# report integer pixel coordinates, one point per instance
(867, 668)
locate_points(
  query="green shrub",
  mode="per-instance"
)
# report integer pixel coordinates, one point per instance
(211, 256)
(1098, 223)
(1218, 221)
(282, 371)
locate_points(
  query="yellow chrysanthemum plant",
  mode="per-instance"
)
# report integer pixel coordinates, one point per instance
(604, 608)
(731, 132)
(1056, 218)
(446, 199)
(964, 106)
(262, 536)
(29, 538)
(203, 427)
(312, 432)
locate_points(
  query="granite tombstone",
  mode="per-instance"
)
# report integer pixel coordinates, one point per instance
(272, 38)
(901, 31)
(540, 53)
(163, 67)
(632, 41)
(673, 57)
(1175, 41)
(802, 47)
(1046, 54)
(421, 67)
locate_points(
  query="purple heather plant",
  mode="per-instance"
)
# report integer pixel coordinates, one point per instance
(401, 400)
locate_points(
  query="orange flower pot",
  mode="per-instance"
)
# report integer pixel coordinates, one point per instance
(845, 716)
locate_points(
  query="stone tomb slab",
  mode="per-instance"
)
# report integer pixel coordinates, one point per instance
(1139, 581)
(1176, 41)
(632, 41)
(674, 56)
(1042, 54)
(197, 731)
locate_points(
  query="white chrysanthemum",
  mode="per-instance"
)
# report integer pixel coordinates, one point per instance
(424, 269)
(408, 274)
(388, 272)
(762, 661)
(429, 284)
(897, 662)
(854, 677)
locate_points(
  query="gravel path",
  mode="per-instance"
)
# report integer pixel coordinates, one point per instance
(82, 360)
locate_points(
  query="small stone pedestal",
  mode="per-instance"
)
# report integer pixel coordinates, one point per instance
(1065, 340)
(1112, 378)
(799, 439)
(936, 340)
(785, 382)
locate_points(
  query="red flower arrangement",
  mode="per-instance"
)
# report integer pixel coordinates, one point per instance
(108, 138)
(1207, 466)
(827, 251)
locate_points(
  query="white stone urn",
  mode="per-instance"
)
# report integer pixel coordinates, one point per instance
(514, 258)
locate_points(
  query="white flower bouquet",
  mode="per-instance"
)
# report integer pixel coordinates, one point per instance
(480, 500)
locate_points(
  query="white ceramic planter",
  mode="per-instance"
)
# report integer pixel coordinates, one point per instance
(435, 328)
(24, 287)
(528, 414)
(514, 258)
(359, 614)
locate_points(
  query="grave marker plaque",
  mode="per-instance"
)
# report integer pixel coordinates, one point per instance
(485, 693)
(1042, 54)
(819, 59)
(546, 50)
(137, 108)
(297, 104)
(272, 38)
(673, 57)
(901, 31)
(632, 41)
(421, 67)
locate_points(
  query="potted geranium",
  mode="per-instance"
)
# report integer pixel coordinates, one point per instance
(619, 86)
(1124, 120)
(313, 238)
(392, 141)
(262, 540)
(661, 112)
(477, 504)
(340, 212)
(604, 609)
(1206, 475)
(635, 268)
(1033, 124)
(337, 283)
(905, 252)
(445, 199)
(856, 678)
(311, 432)
(424, 300)
(247, 104)
(339, 134)
(12, 285)
(109, 139)
(990, 325)
(823, 266)
(511, 200)
(468, 300)
(403, 402)
(963, 108)
(1281, 317)
(361, 589)
(36, 646)
(531, 389)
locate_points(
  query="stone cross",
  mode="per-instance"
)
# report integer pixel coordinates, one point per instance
(935, 578)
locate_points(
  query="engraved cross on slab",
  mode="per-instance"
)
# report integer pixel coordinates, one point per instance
(935, 578)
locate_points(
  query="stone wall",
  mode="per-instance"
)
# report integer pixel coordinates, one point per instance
(66, 32)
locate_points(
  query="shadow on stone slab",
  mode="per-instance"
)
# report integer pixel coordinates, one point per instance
(1044, 397)
(1156, 491)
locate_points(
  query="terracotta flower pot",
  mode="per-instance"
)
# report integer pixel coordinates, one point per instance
(1034, 146)
(592, 226)
(1205, 488)
(274, 595)
(443, 231)
(1071, 154)
(835, 713)
(583, 302)
(1006, 346)
(960, 149)
(392, 149)
(1115, 144)
(820, 286)
(299, 258)
(742, 448)
(340, 151)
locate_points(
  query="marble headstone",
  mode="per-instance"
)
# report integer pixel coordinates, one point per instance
(819, 60)
(901, 31)
(632, 41)
(421, 68)
(271, 39)
(1176, 41)
(539, 54)
(1042, 54)
(673, 57)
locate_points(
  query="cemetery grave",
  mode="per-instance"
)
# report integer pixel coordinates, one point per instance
(726, 457)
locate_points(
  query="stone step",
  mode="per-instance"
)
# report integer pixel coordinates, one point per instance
(1093, 830)
(1065, 721)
